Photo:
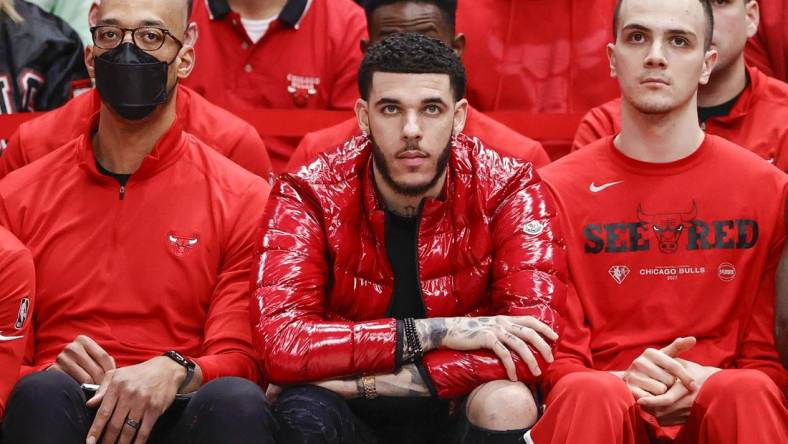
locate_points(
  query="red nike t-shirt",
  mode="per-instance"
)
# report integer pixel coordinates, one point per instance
(660, 251)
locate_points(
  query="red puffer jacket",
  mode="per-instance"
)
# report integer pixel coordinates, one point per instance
(489, 245)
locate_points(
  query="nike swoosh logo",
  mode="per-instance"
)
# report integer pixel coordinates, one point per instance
(596, 189)
(9, 338)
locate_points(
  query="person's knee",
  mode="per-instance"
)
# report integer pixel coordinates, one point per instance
(736, 385)
(502, 405)
(309, 407)
(240, 396)
(42, 387)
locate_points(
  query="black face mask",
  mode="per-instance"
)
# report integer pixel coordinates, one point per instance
(131, 81)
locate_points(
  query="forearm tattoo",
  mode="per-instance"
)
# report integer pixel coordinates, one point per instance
(407, 383)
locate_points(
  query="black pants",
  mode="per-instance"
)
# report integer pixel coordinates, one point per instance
(49, 407)
(314, 415)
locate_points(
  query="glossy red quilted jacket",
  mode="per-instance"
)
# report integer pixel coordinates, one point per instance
(488, 245)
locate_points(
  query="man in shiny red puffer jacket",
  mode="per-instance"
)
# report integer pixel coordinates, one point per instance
(408, 263)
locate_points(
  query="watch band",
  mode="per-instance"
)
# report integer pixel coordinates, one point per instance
(187, 363)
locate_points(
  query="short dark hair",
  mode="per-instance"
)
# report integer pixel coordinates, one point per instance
(190, 4)
(706, 11)
(448, 8)
(411, 53)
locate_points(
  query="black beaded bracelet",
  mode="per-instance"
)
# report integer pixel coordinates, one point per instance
(415, 350)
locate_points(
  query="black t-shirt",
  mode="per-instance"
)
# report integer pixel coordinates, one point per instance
(121, 178)
(723, 109)
(401, 238)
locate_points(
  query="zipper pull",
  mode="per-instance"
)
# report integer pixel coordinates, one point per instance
(122, 192)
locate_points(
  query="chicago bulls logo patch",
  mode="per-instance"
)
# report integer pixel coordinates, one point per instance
(302, 88)
(182, 245)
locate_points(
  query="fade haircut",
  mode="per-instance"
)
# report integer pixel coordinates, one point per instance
(411, 53)
(707, 12)
(448, 8)
(190, 4)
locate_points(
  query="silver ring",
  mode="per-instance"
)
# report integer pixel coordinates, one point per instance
(132, 423)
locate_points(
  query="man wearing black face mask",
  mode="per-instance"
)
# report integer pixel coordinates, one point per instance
(142, 239)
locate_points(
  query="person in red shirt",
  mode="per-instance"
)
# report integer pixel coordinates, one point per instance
(434, 18)
(412, 263)
(768, 50)
(17, 294)
(142, 238)
(739, 103)
(673, 238)
(281, 54)
(230, 135)
(537, 56)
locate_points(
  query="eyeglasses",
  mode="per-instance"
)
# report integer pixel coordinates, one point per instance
(146, 38)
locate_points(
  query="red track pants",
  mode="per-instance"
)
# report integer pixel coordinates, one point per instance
(733, 406)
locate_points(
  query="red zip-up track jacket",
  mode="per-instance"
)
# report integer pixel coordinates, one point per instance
(219, 129)
(490, 245)
(17, 293)
(160, 264)
(757, 122)
(495, 134)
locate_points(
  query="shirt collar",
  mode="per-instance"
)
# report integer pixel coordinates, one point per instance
(291, 14)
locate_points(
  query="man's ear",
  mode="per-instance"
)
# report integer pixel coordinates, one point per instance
(187, 56)
(458, 44)
(611, 59)
(362, 115)
(753, 17)
(89, 62)
(709, 61)
(460, 116)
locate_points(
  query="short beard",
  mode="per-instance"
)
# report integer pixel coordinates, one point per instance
(409, 190)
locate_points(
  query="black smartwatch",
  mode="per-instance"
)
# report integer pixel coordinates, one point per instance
(187, 363)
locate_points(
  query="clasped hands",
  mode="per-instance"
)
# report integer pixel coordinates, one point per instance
(664, 384)
(129, 399)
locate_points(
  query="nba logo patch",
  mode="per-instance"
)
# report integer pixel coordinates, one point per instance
(21, 316)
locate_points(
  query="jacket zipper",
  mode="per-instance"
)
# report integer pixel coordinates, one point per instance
(416, 258)
(122, 192)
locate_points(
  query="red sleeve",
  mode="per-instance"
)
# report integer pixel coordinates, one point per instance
(573, 351)
(757, 349)
(13, 157)
(346, 58)
(598, 123)
(528, 279)
(17, 288)
(294, 341)
(227, 346)
(249, 152)
(303, 153)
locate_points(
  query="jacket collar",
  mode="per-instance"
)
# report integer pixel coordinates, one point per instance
(748, 97)
(291, 14)
(431, 206)
(166, 152)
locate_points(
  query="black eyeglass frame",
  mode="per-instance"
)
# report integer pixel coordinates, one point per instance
(165, 31)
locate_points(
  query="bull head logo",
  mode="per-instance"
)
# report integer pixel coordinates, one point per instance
(182, 245)
(668, 226)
